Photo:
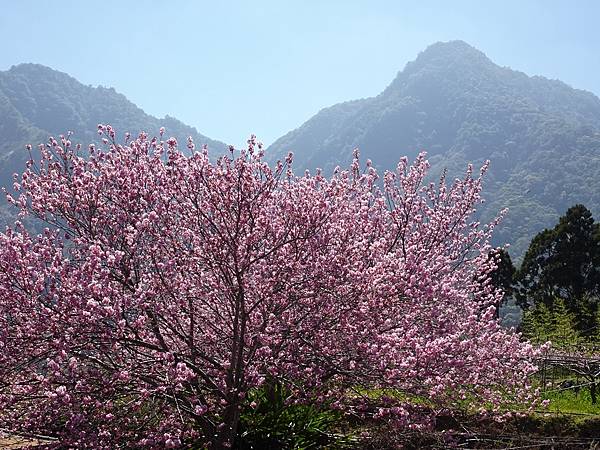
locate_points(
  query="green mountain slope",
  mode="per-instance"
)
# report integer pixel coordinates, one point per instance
(542, 136)
(36, 102)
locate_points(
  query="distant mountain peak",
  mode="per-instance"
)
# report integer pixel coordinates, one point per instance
(542, 136)
(37, 101)
(451, 50)
(54, 101)
(450, 54)
(38, 69)
(441, 58)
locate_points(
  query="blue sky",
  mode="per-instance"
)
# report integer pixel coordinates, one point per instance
(231, 68)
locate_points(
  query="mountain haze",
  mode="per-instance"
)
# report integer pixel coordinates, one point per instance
(542, 136)
(37, 102)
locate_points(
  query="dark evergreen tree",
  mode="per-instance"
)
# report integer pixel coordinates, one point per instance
(503, 276)
(564, 262)
(557, 325)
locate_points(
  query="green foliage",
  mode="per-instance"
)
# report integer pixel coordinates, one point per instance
(555, 324)
(502, 276)
(275, 422)
(570, 401)
(563, 262)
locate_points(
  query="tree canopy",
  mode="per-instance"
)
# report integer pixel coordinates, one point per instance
(166, 288)
(564, 262)
(502, 276)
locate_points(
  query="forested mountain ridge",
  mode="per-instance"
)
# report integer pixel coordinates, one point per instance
(542, 136)
(37, 102)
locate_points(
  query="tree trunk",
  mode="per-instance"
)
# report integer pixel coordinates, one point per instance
(593, 391)
(227, 434)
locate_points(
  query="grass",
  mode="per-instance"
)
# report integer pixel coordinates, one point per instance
(570, 402)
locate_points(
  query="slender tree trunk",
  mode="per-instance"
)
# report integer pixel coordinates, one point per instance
(226, 436)
(227, 433)
(593, 391)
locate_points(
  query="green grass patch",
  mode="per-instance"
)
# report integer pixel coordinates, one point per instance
(570, 402)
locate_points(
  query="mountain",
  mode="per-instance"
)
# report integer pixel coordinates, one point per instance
(542, 136)
(37, 102)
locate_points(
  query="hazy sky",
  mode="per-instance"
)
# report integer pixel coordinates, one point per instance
(232, 68)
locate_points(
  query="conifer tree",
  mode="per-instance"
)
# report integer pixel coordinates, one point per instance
(564, 262)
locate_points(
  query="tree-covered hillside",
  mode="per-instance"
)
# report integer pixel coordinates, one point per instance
(36, 102)
(542, 136)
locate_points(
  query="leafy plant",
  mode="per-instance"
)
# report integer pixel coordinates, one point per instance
(275, 421)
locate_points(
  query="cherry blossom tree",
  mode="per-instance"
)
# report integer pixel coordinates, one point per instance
(167, 285)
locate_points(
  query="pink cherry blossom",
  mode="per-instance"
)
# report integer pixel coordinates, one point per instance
(166, 286)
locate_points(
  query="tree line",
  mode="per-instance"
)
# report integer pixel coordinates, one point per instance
(558, 282)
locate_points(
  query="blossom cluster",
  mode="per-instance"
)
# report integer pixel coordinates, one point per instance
(166, 285)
